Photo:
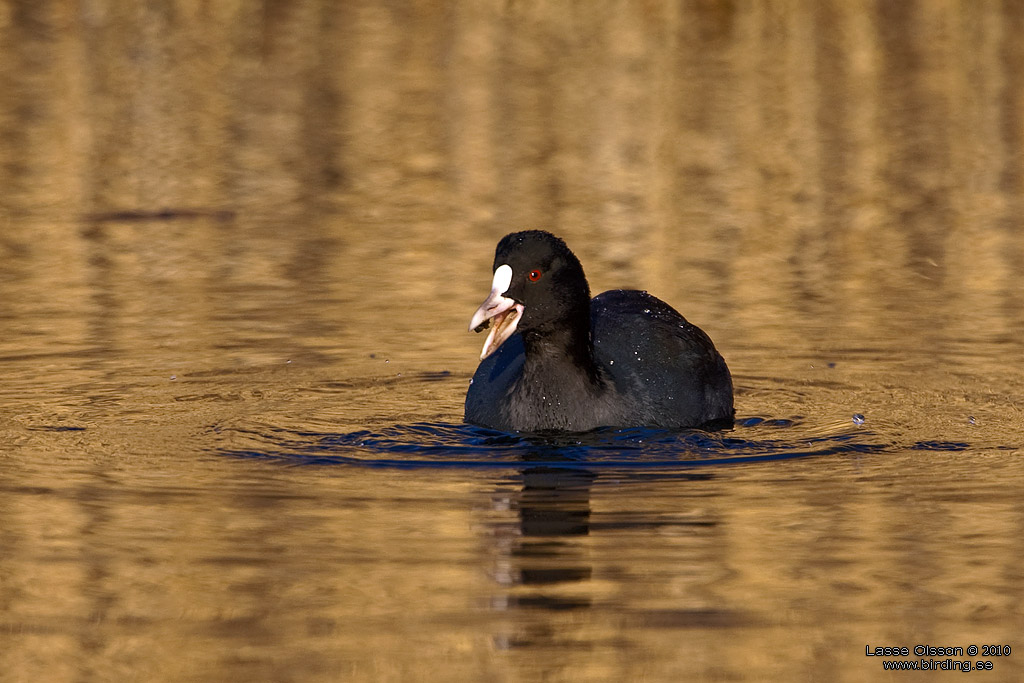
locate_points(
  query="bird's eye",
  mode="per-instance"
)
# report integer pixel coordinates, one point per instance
(534, 275)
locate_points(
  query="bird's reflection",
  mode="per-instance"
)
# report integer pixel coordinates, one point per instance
(542, 557)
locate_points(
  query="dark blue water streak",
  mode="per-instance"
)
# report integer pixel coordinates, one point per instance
(450, 445)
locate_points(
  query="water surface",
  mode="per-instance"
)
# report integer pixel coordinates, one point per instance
(239, 248)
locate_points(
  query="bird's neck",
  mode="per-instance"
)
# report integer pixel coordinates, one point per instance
(546, 356)
(551, 392)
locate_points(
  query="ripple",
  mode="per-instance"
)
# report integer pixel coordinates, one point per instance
(457, 445)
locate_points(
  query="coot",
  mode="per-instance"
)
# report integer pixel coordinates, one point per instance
(557, 360)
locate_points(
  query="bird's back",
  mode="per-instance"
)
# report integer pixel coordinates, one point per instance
(665, 369)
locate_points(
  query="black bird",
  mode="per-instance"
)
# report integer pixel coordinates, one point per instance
(557, 360)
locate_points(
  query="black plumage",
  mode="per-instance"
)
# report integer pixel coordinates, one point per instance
(558, 360)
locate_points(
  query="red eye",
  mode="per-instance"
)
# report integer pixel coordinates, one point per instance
(534, 275)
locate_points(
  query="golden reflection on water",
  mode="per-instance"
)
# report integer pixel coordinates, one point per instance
(224, 222)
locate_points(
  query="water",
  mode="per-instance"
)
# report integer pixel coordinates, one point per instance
(239, 249)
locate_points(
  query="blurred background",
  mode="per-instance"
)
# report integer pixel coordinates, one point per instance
(229, 226)
(848, 158)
